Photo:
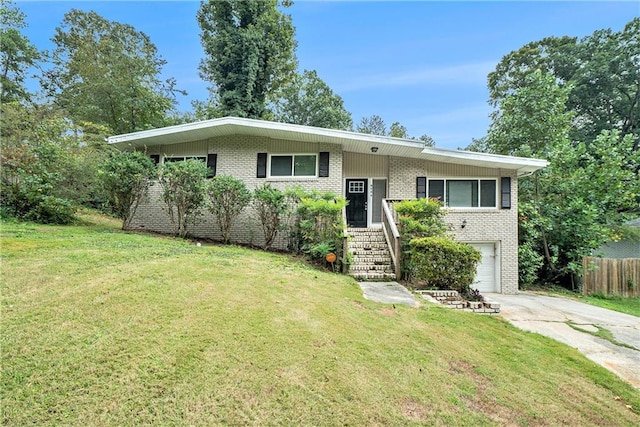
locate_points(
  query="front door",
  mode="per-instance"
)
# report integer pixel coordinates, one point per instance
(357, 206)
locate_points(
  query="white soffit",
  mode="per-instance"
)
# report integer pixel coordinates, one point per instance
(350, 141)
(524, 165)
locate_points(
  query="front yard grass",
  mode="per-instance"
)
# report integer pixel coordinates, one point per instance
(611, 302)
(102, 327)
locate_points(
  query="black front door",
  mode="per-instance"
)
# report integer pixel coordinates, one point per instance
(357, 206)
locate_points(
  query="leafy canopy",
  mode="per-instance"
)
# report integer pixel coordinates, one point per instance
(108, 73)
(250, 53)
(17, 54)
(308, 100)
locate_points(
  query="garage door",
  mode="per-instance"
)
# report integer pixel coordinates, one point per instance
(486, 275)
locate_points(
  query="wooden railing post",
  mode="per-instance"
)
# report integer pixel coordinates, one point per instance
(345, 241)
(392, 236)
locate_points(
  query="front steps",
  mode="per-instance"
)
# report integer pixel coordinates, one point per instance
(370, 257)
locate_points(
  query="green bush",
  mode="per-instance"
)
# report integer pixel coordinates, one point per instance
(52, 210)
(125, 177)
(444, 264)
(319, 223)
(271, 206)
(421, 218)
(416, 219)
(228, 196)
(183, 190)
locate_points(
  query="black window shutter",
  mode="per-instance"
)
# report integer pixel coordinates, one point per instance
(421, 187)
(505, 192)
(155, 158)
(262, 165)
(212, 160)
(323, 171)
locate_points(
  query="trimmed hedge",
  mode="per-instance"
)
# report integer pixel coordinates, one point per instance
(442, 263)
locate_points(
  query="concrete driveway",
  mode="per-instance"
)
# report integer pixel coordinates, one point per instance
(550, 316)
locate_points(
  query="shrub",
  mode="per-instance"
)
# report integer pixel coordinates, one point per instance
(416, 219)
(228, 196)
(421, 218)
(52, 210)
(444, 264)
(271, 206)
(320, 224)
(183, 191)
(126, 177)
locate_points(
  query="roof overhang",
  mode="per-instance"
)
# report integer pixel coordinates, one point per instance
(350, 141)
(523, 165)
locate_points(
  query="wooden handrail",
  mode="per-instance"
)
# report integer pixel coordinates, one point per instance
(392, 236)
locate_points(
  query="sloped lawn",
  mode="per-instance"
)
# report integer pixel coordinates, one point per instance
(101, 327)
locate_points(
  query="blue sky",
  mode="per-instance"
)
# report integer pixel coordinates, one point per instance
(424, 64)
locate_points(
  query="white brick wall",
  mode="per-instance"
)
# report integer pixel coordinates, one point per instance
(237, 156)
(483, 225)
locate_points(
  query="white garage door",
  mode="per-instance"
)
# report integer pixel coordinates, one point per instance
(486, 275)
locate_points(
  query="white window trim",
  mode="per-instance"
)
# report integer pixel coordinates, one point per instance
(446, 205)
(291, 177)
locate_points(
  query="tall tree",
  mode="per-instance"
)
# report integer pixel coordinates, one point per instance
(250, 53)
(17, 54)
(108, 73)
(308, 100)
(601, 71)
(573, 206)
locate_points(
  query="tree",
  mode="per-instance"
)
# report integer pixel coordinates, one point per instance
(39, 153)
(108, 73)
(571, 207)
(250, 53)
(227, 196)
(600, 70)
(126, 177)
(308, 100)
(17, 54)
(183, 191)
(531, 120)
(398, 131)
(428, 141)
(373, 125)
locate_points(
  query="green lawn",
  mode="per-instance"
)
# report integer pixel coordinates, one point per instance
(612, 302)
(623, 305)
(101, 327)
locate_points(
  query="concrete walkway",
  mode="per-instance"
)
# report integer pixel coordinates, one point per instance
(388, 292)
(550, 316)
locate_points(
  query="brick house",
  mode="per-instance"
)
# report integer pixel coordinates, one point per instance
(479, 190)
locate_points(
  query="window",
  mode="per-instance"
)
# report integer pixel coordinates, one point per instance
(210, 160)
(465, 193)
(169, 159)
(293, 165)
(356, 187)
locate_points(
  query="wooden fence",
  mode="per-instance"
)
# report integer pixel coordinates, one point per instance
(611, 276)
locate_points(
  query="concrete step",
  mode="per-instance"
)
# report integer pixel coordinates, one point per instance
(369, 245)
(371, 261)
(370, 252)
(370, 267)
(367, 239)
(370, 276)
